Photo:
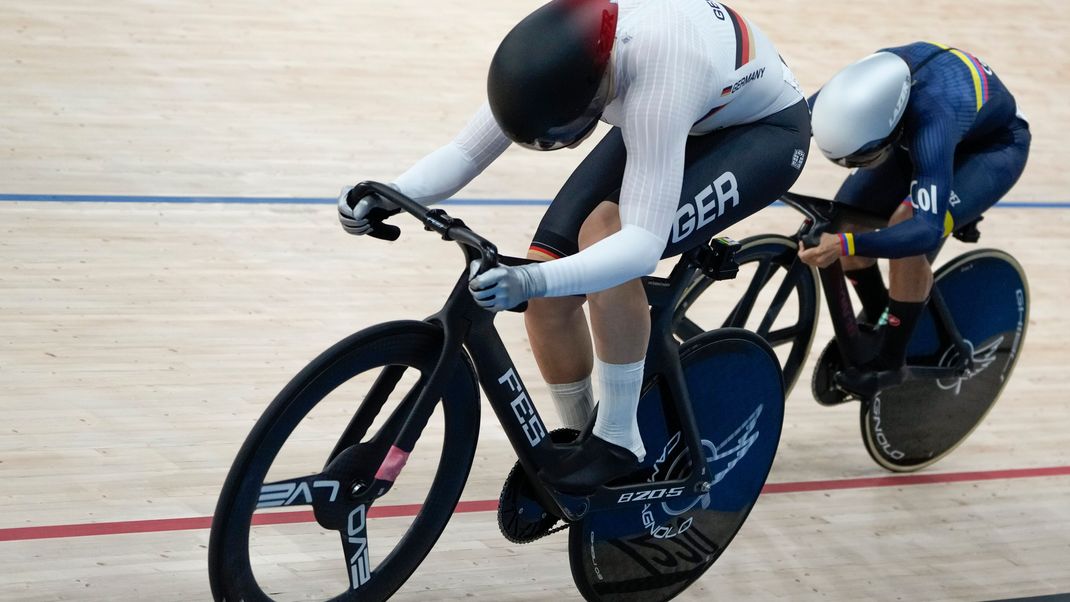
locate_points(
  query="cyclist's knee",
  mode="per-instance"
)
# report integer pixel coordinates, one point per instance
(552, 309)
(614, 300)
(902, 214)
(604, 221)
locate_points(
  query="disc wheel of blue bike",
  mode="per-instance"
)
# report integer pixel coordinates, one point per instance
(769, 296)
(911, 426)
(651, 552)
(325, 437)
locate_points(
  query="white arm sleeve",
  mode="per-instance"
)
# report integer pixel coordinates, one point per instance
(667, 95)
(441, 174)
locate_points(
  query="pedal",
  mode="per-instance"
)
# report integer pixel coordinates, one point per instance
(521, 517)
(717, 259)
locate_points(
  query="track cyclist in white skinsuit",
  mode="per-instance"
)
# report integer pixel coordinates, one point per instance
(710, 127)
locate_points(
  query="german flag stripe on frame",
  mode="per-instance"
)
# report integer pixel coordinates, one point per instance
(744, 38)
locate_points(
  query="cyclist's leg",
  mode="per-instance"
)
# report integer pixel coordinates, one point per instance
(878, 189)
(984, 173)
(620, 316)
(557, 326)
(728, 175)
(910, 277)
(733, 173)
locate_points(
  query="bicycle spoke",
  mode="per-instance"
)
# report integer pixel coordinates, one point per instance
(741, 313)
(376, 397)
(687, 329)
(355, 546)
(782, 336)
(779, 300)
(302, 491)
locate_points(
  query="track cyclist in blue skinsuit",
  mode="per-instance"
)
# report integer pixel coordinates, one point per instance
(929, 124)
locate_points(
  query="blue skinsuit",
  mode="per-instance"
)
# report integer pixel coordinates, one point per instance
(963, 147)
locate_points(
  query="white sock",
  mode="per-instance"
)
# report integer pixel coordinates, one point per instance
(619, 386)
(574, 402)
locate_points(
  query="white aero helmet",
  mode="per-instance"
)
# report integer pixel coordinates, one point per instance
(858, 113)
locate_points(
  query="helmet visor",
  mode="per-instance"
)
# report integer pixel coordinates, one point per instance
(564, 136)
(575, 131)
(873, 153)
(866, 158)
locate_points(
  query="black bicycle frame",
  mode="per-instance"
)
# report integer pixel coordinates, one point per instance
(828, 216)
(466, 324)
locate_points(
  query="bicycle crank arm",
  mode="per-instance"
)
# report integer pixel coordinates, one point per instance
(573, 507)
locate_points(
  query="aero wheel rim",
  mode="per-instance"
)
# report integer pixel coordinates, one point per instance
(309, 539)
(294, 550)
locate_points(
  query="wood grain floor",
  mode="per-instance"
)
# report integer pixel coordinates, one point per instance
(140, 341)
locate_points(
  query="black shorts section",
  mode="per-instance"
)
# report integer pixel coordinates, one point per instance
(985, 171)
(729, 175)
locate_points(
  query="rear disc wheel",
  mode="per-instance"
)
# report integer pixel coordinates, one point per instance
(914, 425)
(647, 552)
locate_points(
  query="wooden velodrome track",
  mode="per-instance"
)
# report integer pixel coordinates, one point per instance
(140, 340)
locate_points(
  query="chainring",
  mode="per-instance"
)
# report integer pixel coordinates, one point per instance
(521, 517)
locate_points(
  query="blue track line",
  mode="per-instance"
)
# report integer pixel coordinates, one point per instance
(236, 200)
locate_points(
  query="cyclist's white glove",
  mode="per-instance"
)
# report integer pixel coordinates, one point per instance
(506, 287)
(355, 219)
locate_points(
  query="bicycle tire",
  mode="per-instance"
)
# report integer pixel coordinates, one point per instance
(779, 252)
(412, 344)
(914, 425)
(654, 551)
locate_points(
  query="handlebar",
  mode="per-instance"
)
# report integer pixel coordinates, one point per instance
(449, 228)
(433, 219)
(823, 215)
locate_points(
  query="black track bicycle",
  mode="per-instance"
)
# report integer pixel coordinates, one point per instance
(711, 414)
(960, 357)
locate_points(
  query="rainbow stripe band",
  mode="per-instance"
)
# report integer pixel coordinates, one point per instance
(977, 72)
(847, 244)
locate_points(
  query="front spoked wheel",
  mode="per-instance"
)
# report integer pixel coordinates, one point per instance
(914, 425)
(773, 295)
(326, 437)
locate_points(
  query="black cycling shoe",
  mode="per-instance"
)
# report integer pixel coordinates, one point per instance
(867, 383)
(594, 463)
(825, 383)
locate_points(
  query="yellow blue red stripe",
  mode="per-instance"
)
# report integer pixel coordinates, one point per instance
(847, 244)
(977, 72)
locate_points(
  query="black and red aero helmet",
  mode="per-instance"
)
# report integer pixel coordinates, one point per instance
(547, 84)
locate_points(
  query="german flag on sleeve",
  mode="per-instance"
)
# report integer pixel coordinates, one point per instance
(744, 39)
